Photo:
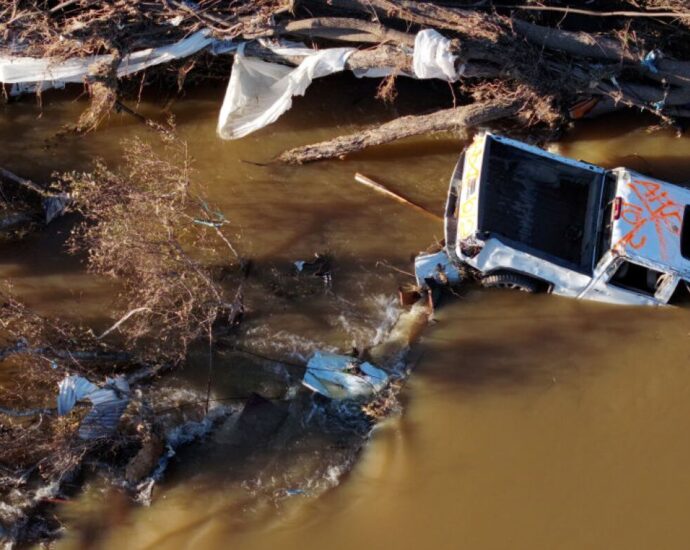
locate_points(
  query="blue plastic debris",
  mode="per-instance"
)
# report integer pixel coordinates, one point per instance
(109, 402)
(649, 61)
(343, 377)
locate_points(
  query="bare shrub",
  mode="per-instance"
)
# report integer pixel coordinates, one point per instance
(145, 226)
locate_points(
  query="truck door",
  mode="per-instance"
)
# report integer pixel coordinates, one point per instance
(620, 280)
(631, 282)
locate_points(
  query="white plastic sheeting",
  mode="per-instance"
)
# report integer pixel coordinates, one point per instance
(109, 402)
(259, 91)
(433, 58)
(30, 73)
(343, 377)
(72, 389)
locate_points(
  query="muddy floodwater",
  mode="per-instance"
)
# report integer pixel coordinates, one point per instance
(529, 421)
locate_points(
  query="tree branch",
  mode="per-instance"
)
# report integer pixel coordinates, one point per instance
(446, 120)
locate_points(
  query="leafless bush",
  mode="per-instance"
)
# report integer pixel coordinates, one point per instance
(145, 226)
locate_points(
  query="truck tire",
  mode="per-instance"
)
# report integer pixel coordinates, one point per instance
(512, 281)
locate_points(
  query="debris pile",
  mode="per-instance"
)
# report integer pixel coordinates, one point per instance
(170, 299)
(537, 66)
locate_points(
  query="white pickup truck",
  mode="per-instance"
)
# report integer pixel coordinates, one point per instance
(520, 217)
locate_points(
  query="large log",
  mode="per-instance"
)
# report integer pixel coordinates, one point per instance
(585, 45)
(465, 21)
(383, 55)
(446, 120)
(580, 44)
(344, 29)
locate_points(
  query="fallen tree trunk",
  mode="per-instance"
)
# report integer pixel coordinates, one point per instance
(377, 57)
(468, 21)
(576, 43)
(623, 57)
(344, 29)
(446, 120)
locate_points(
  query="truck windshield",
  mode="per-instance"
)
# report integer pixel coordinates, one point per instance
(545, 206)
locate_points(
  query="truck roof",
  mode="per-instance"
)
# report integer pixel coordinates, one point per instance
(649, 225)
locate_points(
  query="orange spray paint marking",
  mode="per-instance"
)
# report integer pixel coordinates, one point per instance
(657, 209)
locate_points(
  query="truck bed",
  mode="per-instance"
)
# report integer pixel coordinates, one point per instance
(540, 204)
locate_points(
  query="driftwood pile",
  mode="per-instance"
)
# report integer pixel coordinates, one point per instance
(537, 64)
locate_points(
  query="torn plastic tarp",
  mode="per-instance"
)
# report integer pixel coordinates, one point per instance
(30, 73)
(433, 58)
(54, 206)
(343, 377)
(109, 402)
(260, 91)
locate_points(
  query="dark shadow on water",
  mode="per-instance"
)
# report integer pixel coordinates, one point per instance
(478, 352)
(43, 252)
(609, 126)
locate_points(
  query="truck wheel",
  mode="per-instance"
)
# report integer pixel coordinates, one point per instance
(512, 281)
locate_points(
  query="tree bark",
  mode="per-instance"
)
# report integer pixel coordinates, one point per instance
(344, 29)
(446, 120)
(580, 44)
(466, 21)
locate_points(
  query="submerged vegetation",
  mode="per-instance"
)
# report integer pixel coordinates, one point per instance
(146, 227)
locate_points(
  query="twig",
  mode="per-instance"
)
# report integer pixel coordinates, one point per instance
(122, 320)
(122, 107)
(580, 11)
(226, 241)
(62, 5)
(27, 412)
(384, 263)
(28, 184)
(385, 191)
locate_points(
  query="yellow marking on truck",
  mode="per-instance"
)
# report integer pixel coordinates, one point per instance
(468, 208)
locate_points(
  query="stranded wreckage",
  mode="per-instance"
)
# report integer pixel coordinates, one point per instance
(519, 217)
(522, 218)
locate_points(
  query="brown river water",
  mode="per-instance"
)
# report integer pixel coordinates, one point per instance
(529, 421)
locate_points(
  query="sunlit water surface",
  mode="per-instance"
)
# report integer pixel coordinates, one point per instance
(529, 422)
